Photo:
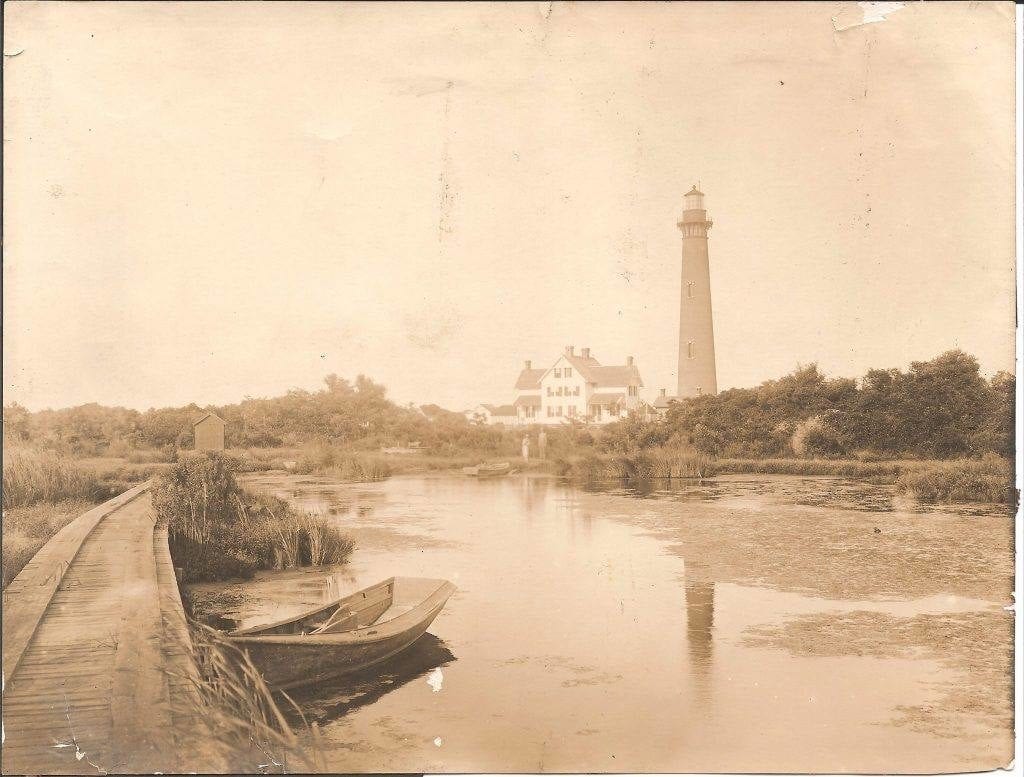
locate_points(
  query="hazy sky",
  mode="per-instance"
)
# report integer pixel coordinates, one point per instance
(206, 202)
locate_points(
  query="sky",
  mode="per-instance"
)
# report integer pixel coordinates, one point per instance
(205, 202)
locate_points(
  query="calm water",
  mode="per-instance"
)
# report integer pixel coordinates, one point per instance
(750, 623)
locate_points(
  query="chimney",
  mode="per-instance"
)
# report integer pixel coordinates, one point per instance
(586, 353)
(570, 350)
(528, 363)
(663, 392)
(629, 361)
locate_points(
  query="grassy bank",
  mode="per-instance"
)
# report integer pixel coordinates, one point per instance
(989, 479)
(878, 471)
(217, 530)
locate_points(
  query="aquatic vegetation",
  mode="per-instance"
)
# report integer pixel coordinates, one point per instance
(218, 530)
(877, 471)
(244, 715)
(648, 463)
(989, 479)
(342, 464)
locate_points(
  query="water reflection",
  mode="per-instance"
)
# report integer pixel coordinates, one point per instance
(572, 649)
(326, 702)
(700, 620)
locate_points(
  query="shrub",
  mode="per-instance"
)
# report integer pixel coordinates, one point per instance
(217, 530)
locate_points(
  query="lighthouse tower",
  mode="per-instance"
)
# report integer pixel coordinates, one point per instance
(696, 331)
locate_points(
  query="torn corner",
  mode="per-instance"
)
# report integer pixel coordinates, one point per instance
(855, 14)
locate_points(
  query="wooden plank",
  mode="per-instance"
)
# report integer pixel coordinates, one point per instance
(28, 596)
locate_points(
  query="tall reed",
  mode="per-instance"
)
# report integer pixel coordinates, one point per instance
(989, 479)
(32, 476)
(242, 712)
(218, 530)
(649, 463)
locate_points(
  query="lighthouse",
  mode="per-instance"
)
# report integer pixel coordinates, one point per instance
(696, 330)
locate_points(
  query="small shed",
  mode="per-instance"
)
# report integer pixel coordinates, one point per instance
(208, 433)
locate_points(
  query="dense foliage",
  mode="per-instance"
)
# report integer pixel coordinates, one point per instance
(342, 413)
(943, 408)
(217, 530)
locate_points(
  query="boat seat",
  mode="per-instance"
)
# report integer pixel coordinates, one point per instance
(343, 619)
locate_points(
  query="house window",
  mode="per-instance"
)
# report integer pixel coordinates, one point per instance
(558, 410)
(572, 411)
(550, 392)
(576, 391)
(689, 349)
(568, 372)
(632, 391)
(699, 391)
(689, 289)
(558, 373)
(550, 411)
(559, 391)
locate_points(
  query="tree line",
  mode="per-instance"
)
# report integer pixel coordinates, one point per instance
(346, 413)
(943, 408)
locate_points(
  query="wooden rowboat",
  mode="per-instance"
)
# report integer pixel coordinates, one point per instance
(346, 635)
(488, 470)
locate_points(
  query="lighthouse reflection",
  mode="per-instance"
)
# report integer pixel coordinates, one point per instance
(700, 621)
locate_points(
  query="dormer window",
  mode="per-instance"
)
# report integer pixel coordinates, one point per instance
(558, 373)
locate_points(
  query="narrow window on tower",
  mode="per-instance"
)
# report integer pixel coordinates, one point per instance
(689, 289)
(689, 349)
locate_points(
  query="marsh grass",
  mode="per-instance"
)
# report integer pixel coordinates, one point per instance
(879, 471)
(217, 530)
(33, 476)
(242, 712)
(341, 464)
(989, 479)
(670, 463)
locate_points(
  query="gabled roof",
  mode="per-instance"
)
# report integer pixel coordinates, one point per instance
(606, 399)
(208, 415)
(528, 400)
(594, 372)
(529, 379)
(621, 375)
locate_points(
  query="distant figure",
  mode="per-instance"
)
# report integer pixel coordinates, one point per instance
(208, 433)
(542, 444)
(526, 447)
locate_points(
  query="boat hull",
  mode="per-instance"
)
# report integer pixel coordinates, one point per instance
(294, 661)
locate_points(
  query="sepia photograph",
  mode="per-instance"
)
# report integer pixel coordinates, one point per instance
(481, 388)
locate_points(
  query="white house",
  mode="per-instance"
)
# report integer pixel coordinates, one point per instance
(493, 414)
(577, 386)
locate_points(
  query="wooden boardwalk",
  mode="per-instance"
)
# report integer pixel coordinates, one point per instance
(96, 655)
